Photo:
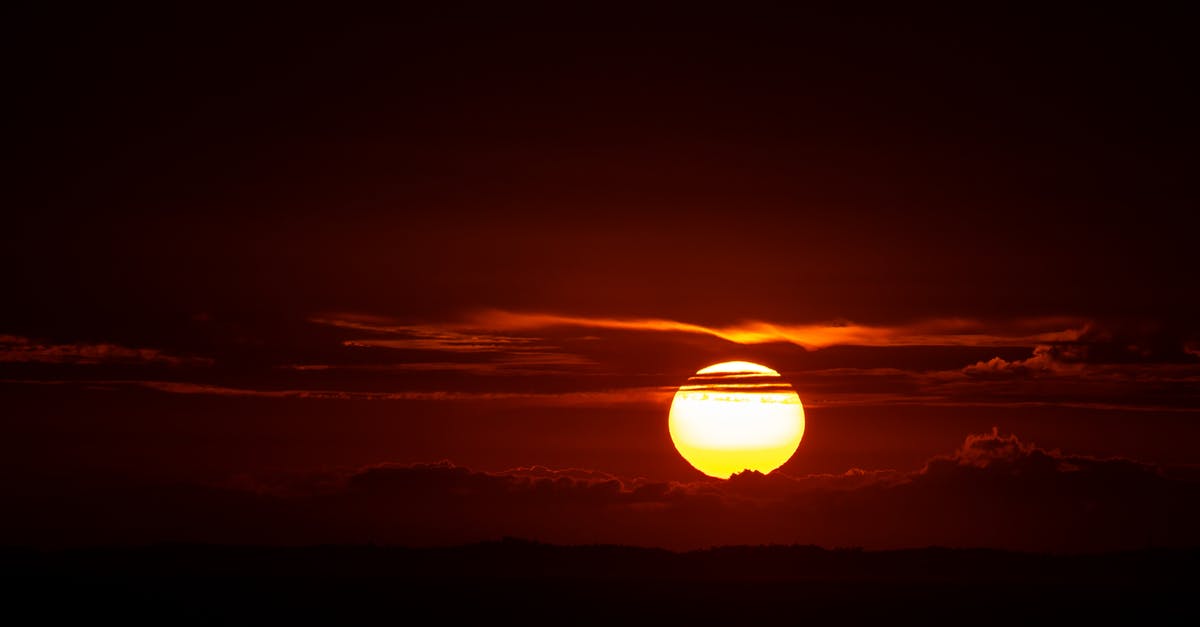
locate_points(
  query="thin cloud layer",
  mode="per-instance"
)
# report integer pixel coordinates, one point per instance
(580, 361)
(490, 352)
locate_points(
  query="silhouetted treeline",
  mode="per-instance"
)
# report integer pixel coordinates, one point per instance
(515, 558)
(547, 584)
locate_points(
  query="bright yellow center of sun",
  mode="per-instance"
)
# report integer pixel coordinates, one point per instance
(736, 416)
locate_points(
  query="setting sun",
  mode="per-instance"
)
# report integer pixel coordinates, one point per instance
(736, 416)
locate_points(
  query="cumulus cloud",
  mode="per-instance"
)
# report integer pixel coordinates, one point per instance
(1138, 347)
(1045, 359)
(17, 349)
(984, 450)
(998, 454)
(1130, 367)
(993, 491)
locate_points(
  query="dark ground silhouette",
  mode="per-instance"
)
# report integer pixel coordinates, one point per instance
(537, 583)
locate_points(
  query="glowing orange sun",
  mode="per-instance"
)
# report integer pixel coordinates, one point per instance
(736, 416)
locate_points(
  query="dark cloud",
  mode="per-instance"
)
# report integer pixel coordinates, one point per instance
(1141, 341)
(17, 349)
(1099, 345)
(994, 491)
(1045, 359)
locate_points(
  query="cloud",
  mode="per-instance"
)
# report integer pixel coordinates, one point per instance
(1136, 368)
(985, 450)
(481, 331)
(1045, 359)
(567, 398)
(526, 363)
(1073, 362)
(491, 352)
(1105, 368)
(1040, 381)
(17, 349)
(994, 490)
(1101, 347)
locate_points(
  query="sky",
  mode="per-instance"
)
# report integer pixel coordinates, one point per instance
(443, 271)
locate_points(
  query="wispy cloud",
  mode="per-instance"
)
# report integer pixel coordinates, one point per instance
(940, 332)
(642, 394)
(509, 365)
(485, 331)
(17, 349)
(494, 352)
(425, 337)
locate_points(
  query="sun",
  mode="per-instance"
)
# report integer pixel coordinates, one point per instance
(736, 416)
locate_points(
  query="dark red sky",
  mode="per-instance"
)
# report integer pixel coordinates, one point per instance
(242, 251)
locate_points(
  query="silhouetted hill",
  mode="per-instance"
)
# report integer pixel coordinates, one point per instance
(541, 583)
(515, 558)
